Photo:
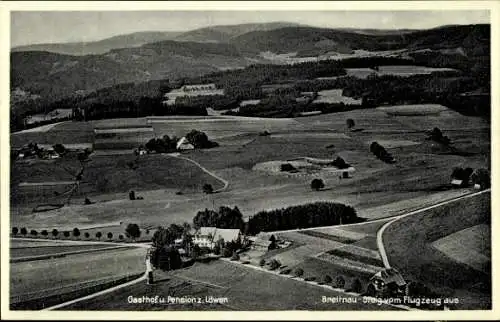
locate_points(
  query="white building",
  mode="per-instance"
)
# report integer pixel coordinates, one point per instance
(208, 236)
(184, 144)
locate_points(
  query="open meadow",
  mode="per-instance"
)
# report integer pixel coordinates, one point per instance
(416, 245)
(62, 275)
(422, 168)
(220, 279)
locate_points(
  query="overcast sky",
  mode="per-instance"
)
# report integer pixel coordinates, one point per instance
(74, 26)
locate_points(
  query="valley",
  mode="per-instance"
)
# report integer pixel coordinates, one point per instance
(273, 164)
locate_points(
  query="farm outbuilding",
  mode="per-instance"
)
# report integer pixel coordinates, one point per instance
(208, 236)
(387, 282)
(184, 144)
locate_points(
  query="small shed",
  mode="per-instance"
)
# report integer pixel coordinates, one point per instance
(456, 183)
(387, 280)
(184, 144)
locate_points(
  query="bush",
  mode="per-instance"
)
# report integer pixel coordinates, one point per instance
(418, 289)
(226, 252)
(356, 286)
(340, 163)
(481, 177)
(120, 237)
(207, 188)
(33, 232)
(76, 232)
(299, 272)
(110, 235)
(287, 167)
(274, 264)
(327, 279)
(302, 216)
(235, 256)
(286, 271)
(44, 233)
(200, 140)
(462, 174)
(309, 278)
(55, 232)
(15, 230)
(133, 230)
(98, 235)
(339, 282)
(225, 217)
(24, 231)
(350, 123)
(262, 262)
(59, 148)
(381, 153)
(317, 184)
(66, 234)
(86, 234)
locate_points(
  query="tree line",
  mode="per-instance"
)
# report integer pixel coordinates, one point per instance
(380, 152)
(224, 218)
(167, 144)
(302, 216)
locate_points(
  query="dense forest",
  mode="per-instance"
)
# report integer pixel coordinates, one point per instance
(285, 83)
(302, 216)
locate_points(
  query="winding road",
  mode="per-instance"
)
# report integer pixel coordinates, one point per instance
(225, 182)
(380, 232)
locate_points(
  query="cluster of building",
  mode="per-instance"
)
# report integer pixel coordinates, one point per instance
(207, 237)
(190, 91)
(46, 151)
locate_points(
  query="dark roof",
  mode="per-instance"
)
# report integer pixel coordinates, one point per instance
(391, 275)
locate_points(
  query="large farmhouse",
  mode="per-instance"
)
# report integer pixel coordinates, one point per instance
(208, 236)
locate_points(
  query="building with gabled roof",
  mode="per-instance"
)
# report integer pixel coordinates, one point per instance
(208, 236)
(388, 280)
(183, 144)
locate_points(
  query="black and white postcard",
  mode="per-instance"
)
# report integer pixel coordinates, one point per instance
(324, 159)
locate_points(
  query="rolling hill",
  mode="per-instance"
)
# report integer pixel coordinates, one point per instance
(215, 34)
(315, 41)
(148, 56)
(102, 46)
(54, 76)
(225, 33)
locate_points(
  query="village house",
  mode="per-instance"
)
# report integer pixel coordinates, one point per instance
(184, 144)
(198, 87)
(387, 281)
(208, 236)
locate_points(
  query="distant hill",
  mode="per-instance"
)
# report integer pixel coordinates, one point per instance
(225, 33)
(102, 46)
(315, 41)
(54, 76)
(209, 34)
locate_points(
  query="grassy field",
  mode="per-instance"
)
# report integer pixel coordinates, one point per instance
(376, 189)
(68, 132)
(221, 279)
(48, 250)
(315, 267)
(108, 174)
(409, 247)
(470, 246)
(217, 128)
(42, 278)
(407, 70)
(103, 175)
(413, 110)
